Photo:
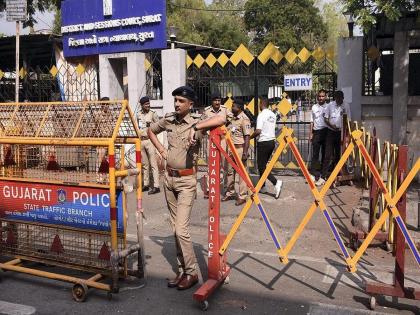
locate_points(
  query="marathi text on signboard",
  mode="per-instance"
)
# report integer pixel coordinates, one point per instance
(79, 207)
(297, 82)
(91, 27)
(16, 10)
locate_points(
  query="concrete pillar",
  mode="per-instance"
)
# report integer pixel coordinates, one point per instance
(112, 69)
(400, 87)
(173, 75)
(350, 73)
(136, 77)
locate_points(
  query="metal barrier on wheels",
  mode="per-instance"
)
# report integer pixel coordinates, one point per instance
(62, 201)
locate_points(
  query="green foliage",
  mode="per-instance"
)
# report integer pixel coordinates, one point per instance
(201, 26)
(288, 23)
(34, 5)
(335, 21)
(56, 30)
(365, 11)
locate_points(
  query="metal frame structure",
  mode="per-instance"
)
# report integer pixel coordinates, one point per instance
(397, 289)
(106, 126)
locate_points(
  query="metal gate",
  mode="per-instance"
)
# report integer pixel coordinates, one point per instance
(250, 76)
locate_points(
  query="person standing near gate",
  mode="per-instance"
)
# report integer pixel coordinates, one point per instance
(334, 120)
(216, 108)
(181, 176)
(148, 152)
(240, 128)
(266, 133)
(318, 134)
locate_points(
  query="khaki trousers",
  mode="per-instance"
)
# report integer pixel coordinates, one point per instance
(148, 156)
(230, 189)
(180, 193)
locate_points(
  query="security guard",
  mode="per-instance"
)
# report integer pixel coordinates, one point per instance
(181, 176)
(216, 108)
(148, 152)
(240, 128)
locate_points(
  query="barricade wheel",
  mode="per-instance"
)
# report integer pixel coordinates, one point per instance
(389, 247)
(109, 296)
(227, 280)
(372, 302)
(355, 244)
(79, 292)
(204, 305)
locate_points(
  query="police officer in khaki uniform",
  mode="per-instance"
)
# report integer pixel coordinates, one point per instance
(240, 128)
(148, 152)
(216, 108)
(180, 176)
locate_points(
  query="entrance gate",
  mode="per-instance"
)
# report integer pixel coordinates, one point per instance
(250, 77)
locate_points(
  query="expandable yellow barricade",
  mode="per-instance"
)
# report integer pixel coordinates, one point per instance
(285, 139)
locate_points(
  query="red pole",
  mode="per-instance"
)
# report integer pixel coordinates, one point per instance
(214, 208)
(399, 237)
(217, 268)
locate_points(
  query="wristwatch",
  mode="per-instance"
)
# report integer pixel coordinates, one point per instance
(194, 126)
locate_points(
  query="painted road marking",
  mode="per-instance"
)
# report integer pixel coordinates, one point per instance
(335, 274)
(329, 309)
(341, 266)
(7, 308)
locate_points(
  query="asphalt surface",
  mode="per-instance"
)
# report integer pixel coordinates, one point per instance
(314, 282)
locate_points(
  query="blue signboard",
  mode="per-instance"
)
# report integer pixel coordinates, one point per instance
(91, 27)
(79, 207)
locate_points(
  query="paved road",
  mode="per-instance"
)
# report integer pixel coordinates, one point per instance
(314, 282)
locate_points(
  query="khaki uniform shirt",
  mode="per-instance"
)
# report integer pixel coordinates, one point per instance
(180, 154)
(145, 120)
(239, 127)
(223, 111)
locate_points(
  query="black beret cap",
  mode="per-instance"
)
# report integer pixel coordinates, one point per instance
(185, 91)
(144, 100)
(215, 95)
(238, 101)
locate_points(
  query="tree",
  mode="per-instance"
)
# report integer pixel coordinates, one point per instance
(211, 25)
(34, 5)
(227, 27)
(288, 23)
(365, 11)
(335, 21)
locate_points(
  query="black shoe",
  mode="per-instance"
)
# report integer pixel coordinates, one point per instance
(145, 188)
(154, 190)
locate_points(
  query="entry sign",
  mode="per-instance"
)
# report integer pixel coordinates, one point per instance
(297, 82)
(16, 10)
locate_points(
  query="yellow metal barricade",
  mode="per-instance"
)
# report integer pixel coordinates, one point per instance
(61, 189)
(286, 139)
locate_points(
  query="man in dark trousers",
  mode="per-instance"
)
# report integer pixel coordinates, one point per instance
(318, 134)
(266, 133)
(334, 120)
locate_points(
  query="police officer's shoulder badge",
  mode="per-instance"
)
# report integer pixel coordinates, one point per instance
(196, 115)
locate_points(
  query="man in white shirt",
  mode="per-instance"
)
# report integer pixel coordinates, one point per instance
(266, 133)
(334, 120)
(318, 136)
